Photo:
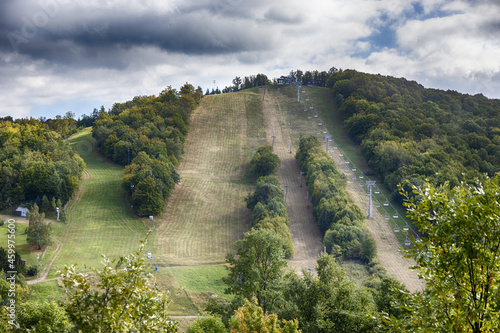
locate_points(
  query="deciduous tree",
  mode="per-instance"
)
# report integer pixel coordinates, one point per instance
(459, 257)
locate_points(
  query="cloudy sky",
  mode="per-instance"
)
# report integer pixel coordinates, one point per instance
(74, 55)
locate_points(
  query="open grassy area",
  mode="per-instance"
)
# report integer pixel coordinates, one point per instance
(99, 220)
(206, 213)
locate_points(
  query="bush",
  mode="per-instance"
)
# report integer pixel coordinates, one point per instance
(31, 271)
(264, 162)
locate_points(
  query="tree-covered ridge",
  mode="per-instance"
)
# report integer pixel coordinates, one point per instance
(147, 134)
(411, 133)
(35, 162)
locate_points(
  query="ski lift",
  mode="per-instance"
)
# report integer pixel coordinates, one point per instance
(318, 133)
(307, 99)
(377, 204)
(354, 169)
(335, 147)
(324, 132)
(320, 123)
(314, 125)
(361, 177)
(346, 170)
(407, 241)
(395, 215)
(386, 217)
(386, 203)
(406, 227)
(377, 191)
(311, 107)
(361, 185)
(396, 228)
(353, 178)
(341, 155)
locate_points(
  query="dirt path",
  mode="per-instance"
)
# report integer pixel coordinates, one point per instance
(306, 236)
(388, 248)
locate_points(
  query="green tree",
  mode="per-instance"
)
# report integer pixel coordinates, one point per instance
(264, 162)
(257, 268)
(252, 318)
(147, 198)
(45, 204)
(212, 324)
(46, 317)
(120, 297)
(459, 257)
(38, 232)
(330, 302)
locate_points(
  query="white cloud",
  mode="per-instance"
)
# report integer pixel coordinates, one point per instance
(110, 51)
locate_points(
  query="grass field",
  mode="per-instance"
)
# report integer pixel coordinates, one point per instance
(206, 213)
(99, 220)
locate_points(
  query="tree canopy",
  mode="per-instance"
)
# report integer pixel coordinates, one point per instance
(458, 257)
(36, 162)
(411, 133)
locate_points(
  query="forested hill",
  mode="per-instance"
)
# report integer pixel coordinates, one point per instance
(147, 134)
(36, 164)
(408, 132)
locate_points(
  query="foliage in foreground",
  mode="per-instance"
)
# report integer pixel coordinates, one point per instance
(459, 258)
(120, 297)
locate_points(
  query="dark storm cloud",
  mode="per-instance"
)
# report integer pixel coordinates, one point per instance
(77, 35)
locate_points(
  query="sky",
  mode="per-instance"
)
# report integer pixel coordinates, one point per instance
(76, 55)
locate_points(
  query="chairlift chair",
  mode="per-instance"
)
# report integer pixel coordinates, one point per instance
(406, 227)
(377, 204)
(386, 217)
(386, 203)
(395, 216)
(407, 241)
(396, 228)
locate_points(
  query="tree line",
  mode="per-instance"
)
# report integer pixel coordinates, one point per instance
(338, 217)
(36, 164)
(411, 133)
(147, 135)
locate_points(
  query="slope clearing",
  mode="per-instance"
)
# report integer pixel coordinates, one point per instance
(206, 213)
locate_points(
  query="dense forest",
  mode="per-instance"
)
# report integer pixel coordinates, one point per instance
(36, 164)
(411, 133)
(147, 135)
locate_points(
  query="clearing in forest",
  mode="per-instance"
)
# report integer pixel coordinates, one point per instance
(206, 212)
